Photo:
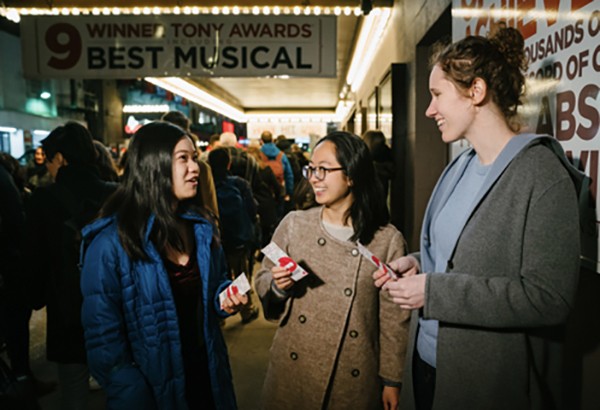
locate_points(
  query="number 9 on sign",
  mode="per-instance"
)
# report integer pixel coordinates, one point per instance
(64, 40)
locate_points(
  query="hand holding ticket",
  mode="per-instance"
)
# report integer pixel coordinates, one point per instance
(240, 286)
(279, 257)
(375, 261)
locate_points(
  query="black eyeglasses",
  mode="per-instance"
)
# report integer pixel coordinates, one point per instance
(319, 172)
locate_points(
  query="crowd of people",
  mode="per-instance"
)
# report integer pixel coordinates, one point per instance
(131, 265)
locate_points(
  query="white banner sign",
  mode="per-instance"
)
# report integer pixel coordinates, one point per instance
(178, 45)
(563, 49)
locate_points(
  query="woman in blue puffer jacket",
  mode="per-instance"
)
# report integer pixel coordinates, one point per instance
(152, 273)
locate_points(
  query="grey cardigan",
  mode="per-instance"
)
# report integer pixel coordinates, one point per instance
(509, 283)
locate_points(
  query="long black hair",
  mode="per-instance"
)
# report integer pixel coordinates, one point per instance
(147, 189)
(368, 211)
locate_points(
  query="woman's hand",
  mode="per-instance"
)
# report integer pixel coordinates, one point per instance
(232, 304)
(282, 278)
(404, 266)
(390, 397)
(408, 292)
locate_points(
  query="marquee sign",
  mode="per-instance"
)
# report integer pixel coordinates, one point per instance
(178, 45)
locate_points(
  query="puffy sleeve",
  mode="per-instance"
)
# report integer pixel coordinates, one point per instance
(108, 350)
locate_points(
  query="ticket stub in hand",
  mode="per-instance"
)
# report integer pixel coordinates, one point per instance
(240, 286)
(375, 261)
(279, 257)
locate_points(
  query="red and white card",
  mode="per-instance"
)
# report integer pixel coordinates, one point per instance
(279, 257)
(240, 286)
(375, 261)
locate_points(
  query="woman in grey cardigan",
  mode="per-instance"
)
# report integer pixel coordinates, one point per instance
(341, 342)
(498, 266)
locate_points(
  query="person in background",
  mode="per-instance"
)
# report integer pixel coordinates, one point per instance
(206, 184)
(268, 195)
(382, 159)
(279, 163)
(37, 173)
(14, 310)
(213, 142)
(105, 163)
(341, 342)
(238, 218)
(152, 273)
(56, 213)
(497, 272)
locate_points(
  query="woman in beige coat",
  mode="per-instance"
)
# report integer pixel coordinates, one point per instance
(341, 343)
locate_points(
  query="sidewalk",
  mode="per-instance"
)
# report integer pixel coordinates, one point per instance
(248, 347)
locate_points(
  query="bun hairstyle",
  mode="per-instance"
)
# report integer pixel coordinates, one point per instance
(498, 59)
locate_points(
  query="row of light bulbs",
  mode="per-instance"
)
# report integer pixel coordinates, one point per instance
(14, 14)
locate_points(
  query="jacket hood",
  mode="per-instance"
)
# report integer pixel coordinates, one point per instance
(270, 150)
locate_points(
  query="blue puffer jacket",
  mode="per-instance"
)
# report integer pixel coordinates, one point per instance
(131, 329)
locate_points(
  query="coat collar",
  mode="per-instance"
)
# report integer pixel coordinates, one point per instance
(452, 175)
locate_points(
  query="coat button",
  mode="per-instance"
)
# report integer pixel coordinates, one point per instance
(302, 319)
(355, 372)
(321, 241)
(294, 356)
(354, 252)
(348, 292)
(353, 334)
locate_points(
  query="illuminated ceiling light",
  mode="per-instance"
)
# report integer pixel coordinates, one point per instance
(226, 10)
(65, 11)
(236, 10)
(145, 108)
(24, 12)
(266, 10)
(116, 11)
(371, 32)
(255, 10)
(13, 15)
(96, 11)
(215, 10)
(187, 10)
(246, 10)
(205, 10)
(156, 10)
(337, 10)
(347, 11)
(192, 93)
(317, 11)
(146, 10)
(357, 11)
(195, 10)
(45, 95)
(297, 10)
(276, 10)
(176, 10)
(136, 10)
(307, 11)
(327, 11)
(287, 10)
(106, 11)
(55, 11)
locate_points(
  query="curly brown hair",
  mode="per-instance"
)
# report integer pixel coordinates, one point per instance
(499, 60)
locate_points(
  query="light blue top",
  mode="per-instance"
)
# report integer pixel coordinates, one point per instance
(445, 227)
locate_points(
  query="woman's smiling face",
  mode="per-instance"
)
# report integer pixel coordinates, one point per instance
(185, 169)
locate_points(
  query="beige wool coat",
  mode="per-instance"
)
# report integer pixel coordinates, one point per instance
(338, 335)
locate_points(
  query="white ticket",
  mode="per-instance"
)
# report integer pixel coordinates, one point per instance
(278, 256)
(375, 261)
(240, 286)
